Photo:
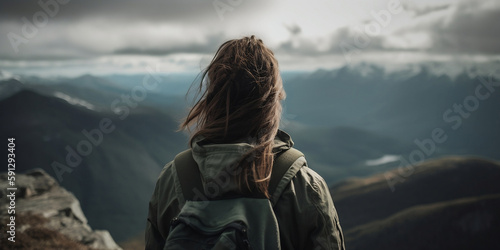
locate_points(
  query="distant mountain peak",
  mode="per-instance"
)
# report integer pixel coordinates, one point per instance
(9, 87)
(91, 79)
(5, 75)
(405, 71)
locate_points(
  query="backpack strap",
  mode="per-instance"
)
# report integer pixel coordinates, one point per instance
(188, 173)
(282, 163)
(190, 176)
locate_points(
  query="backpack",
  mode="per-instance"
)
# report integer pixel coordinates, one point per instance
(231, 223)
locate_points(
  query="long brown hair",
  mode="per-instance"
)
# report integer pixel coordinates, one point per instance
(241, 90)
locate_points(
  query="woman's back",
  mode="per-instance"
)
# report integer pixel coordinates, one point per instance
(235, 124)
(305, 212)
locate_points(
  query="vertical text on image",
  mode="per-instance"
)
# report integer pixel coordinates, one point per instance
(11, 189)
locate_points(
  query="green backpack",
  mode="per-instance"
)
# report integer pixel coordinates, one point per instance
(234, 223)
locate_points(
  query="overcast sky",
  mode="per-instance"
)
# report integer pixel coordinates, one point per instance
(98, 37)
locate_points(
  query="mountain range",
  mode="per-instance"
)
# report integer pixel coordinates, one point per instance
(350, 122)
(114, 178)
(401, 105)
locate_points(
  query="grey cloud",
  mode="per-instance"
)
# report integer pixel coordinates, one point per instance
(359, 39)
(468, 31)
(341, 38)
(151, 10)
(212, 42)
(62, 48)
(58, 35)
(293, 29)
(465, 31)
(423, 10)
(185, 11)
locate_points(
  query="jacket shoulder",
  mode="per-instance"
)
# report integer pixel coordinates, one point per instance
(306, 214)
(168, 184)
(302, 179)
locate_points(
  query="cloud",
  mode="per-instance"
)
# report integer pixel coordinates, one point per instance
(84, 40)
(124, 10)
(418, 11)
(295, 30)
(98, 28)
(472, 28)
(208, 44)
(466, 27)
(333, 43)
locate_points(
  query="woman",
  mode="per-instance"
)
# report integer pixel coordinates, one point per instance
(235, 122)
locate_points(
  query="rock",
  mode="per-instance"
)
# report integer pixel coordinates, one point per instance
(43, 205)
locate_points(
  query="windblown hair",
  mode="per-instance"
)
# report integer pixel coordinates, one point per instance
(241, 92)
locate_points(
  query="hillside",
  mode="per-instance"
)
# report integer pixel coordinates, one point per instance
(467, 223)
(449, 203)
(113, 177)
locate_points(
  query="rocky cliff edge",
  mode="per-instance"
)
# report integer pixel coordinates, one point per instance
(46, 216)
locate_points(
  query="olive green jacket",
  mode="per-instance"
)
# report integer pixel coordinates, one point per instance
(305, 212)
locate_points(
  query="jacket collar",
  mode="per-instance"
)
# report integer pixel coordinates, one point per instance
(217, 162)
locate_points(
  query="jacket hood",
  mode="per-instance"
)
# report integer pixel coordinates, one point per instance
(217, 162)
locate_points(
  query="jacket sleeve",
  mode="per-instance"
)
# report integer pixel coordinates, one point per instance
(163, 206)
(306, 215)
(154, 240)
(326, 232)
